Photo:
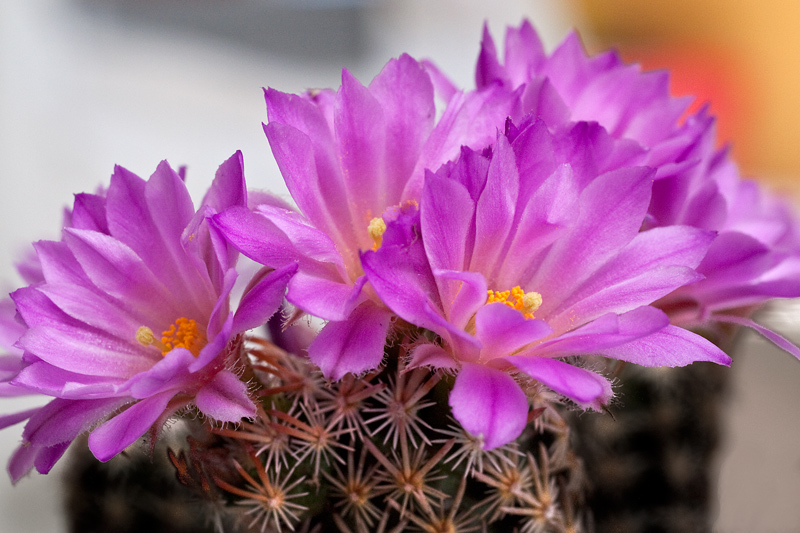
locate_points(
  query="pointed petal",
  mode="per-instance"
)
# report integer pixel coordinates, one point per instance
(89, 212)
(116, 270)
(671, 346)
(405, 93)
(584, 387)
(309, 165)
(488, 70)
(773, 337)
(524, 53)
(262, 298)
(44, 378)
(652, 265)
(446, 213)
(126, 427)
(605, 332)
(612, 208)
(16, 418)
(63, 420)
(228, 188)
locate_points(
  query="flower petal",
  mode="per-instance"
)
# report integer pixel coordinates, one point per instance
(775, 338)
(584, 387)
(45, 378)
(262, 298)
(168, 374)
(605, 332)
(225, 398)
(126, 427)
(611, 211)
(671, 346)
(62, 420)
(228, 188)
(432, 355)
(353, 345)
(326, 298)
(488, 403)
(503, 330)
(653, 264)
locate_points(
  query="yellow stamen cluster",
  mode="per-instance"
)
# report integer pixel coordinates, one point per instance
(376, 228)
(516, 298)
(184, 333)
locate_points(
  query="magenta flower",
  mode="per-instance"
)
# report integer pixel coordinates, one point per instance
(529, 254)
(132, 320)
(567, 86)
(347, 157)
(757, 253)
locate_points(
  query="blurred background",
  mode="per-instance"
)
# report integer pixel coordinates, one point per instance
(86, 84)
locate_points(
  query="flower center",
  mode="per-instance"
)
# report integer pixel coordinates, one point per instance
(516, 298)
(184, 333)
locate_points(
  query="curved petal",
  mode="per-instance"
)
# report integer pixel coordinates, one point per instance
(262, 298)
(671, 346)
(495, 209)
(432, 355)
(612, 208)
(488, 403)
(653, 264)
(401, 277)
(503, 330)
(607, 331)
(62, 420)
(469, 294)
(125, 428)
(44, 378)
(225, 398)
(584, 387)
(30, 456)
(326, 298)
(773, 337)
(255, 236)
(353, 345)
(167, 374)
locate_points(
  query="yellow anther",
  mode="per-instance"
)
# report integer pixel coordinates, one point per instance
(376, 228)
(184, 333)
(516, 298)
(531, 301)
(145, 337)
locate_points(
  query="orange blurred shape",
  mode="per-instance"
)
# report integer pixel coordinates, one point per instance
(709, 75)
